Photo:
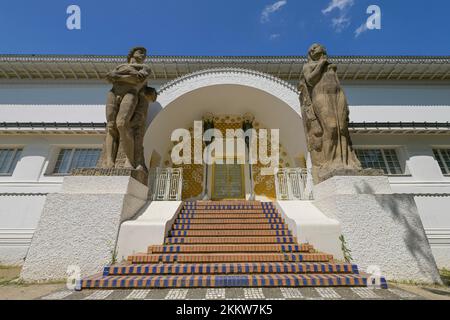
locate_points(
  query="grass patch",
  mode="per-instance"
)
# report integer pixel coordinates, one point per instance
(445, 275)
(9, 274)
(5, 267)
(408, 282)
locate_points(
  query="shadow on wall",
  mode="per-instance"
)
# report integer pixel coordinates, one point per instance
(413, 237)
(153, 111)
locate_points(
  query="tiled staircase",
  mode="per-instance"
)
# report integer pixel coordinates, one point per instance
(228, 244)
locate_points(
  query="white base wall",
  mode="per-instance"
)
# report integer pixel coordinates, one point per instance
(434, 212)
(383, 230)
(79, 226)
(14, 246)
(149, 228)
(19, 215)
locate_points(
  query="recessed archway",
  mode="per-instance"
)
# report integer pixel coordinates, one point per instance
(273, 101)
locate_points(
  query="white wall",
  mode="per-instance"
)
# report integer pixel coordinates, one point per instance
(23, 194)
(394, 93)
(424, 179)
(56, 92)
(380, 93)
(381, 101)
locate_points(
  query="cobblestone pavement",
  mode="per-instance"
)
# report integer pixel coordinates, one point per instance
(238, 294)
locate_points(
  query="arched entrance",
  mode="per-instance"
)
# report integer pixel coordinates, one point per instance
(228, 94)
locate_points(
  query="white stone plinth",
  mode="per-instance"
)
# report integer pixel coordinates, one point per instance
(79, 226)
(149, 228)
(310, 225)
(381, 228)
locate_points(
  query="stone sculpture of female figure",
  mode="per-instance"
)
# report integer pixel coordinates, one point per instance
(326, 116)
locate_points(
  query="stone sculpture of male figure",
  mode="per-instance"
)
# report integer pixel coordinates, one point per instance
(138, 124)
(128, 81)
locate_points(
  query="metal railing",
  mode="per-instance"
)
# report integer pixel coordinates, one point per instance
(166, 184)
(293, 184)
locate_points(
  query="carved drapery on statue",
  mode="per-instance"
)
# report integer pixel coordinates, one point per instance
(325, 115)
(126, 115)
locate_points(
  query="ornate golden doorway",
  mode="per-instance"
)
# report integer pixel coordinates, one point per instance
(228, 181)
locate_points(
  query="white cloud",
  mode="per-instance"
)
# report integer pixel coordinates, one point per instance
(338, 4)
(269, 9)
(342, 21)
(274, 36)
(362, 28)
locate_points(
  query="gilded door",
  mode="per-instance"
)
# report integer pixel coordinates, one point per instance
(228, 181)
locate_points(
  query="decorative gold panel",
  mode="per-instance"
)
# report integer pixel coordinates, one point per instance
(193, 174)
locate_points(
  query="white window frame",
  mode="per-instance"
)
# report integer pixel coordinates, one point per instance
(438, 149)
(54, 160)
(399, 151)
(16, 149)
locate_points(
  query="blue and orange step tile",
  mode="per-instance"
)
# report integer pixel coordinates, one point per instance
(228, 244)
(211, 281)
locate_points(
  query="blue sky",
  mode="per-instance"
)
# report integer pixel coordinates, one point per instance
(232, 27)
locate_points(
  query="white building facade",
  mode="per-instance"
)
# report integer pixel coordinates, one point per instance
(52, 119)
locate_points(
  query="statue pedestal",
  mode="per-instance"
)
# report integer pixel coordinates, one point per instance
(325, 174)
(382, 229)
(139, 175)
(79, 225)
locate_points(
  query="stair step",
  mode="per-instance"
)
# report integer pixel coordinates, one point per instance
(233, 211)
(229, 233)
(230, 240)
(208, 281)
(230, 257)
(223, 248)
(230, 268)
(230, 227)
(229, 221)
(228, 244)
(229, 216)
(229, 203)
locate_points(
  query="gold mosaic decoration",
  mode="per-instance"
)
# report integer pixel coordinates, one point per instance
(193, 174)
(264, 185)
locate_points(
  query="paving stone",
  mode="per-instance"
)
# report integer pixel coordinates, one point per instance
(219, 293)
(58, 295)
(402, 293)
(291, 293)
(177, 294)
(196, 294)
(365, 293)
(235, 294)
(328, 293)
(137, 295)
(157, 294)
(310, 293)
(254, 293)
(99, 295)
(79, 295)
(273, 293)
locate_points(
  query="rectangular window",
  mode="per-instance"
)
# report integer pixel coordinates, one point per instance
(69, 159)
(8, 160)
(384, 159)
(443, 158)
